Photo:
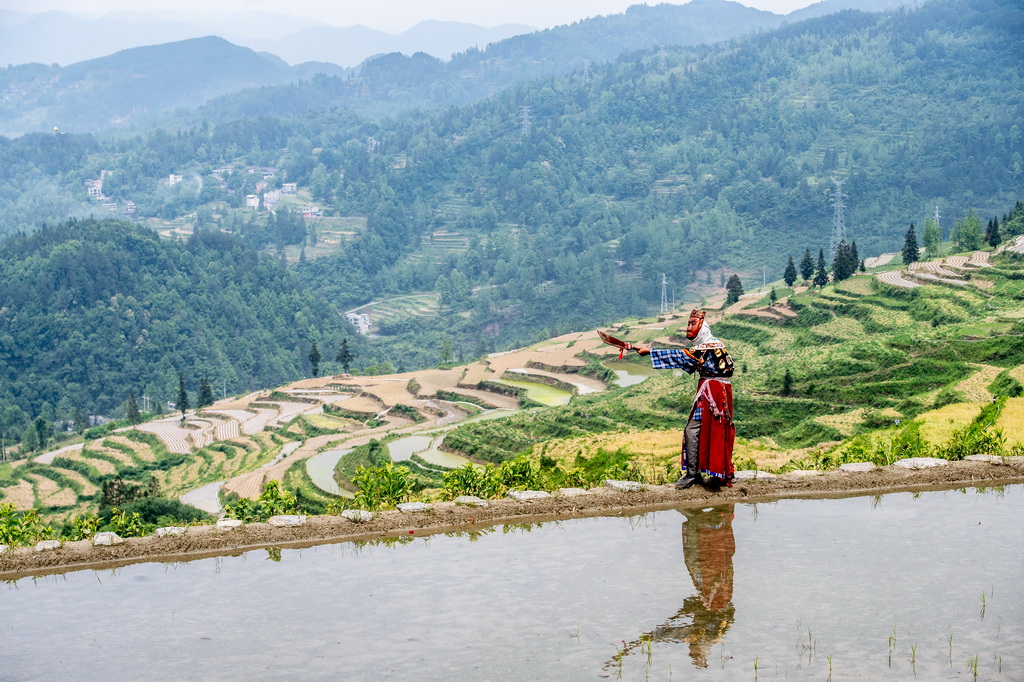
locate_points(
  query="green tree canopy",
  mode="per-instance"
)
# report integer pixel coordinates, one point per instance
(733, 288)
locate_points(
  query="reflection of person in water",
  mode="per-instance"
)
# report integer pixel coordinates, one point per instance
(708, 547)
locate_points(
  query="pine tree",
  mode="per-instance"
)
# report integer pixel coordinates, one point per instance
(843, 266)
(772, 296)
(205, 396)
(994, 237)
(345, 356)
(807, 265)
(734, 289)
(821, 276)
(787, 382)
(789, 276)
(314, 359)
(182, 404)
(910, 254)
(132, 409)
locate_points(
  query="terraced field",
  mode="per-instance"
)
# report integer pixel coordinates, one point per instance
(860, 357)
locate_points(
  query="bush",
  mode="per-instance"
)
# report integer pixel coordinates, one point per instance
(520, 473)
(272, 501)
(1005, 385)
(163, 512)
(22, 528)
(384, 486)
(471, 480)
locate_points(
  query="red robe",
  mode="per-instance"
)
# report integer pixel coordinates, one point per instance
(717, 433)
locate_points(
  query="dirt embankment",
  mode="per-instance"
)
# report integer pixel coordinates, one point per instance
(204, 541)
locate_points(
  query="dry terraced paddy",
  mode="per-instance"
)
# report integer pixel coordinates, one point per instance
(975, 387)
(841, 328)
(846, 422)
(87, 486)
(22, 495)
(938, 425)
(895, 278)
(1011, 420)
(102, 466)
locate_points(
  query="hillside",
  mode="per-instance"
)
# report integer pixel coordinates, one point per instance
(93, 311)
(431, 66)
(876, 373)
(559, 204)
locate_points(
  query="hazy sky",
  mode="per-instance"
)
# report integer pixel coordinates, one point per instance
(387, 15)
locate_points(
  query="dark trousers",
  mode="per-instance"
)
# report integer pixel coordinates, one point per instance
(691, 444)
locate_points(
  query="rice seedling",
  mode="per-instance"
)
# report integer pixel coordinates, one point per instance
(950, 642)
(972, 665)
(756, 659)
(981, 614)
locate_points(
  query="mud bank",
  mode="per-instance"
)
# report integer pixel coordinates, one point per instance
(444, 517)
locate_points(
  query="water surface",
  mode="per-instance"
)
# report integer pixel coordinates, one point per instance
(630, 373)
(320, 468)
(862, 588)
(542, 393)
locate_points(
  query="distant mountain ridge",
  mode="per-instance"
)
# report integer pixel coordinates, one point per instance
(141, 85)
(65, 38)
(111, 90)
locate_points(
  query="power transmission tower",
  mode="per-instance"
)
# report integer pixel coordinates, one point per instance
(838, 218)
(524, 121)
(937, 223)
(664, 294)
(662, 60)
(586, 71)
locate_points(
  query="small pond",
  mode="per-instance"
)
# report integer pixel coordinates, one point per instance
(426, 447)
(542, 393)
(320, 468)
(206, 498)
(630, 373)
(900, 586)
(404, 448)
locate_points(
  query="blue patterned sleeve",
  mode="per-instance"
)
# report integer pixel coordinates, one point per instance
(672, 358)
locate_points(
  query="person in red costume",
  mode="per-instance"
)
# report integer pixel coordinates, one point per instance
(709, 433)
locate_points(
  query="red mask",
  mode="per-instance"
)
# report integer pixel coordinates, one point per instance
(694, 325)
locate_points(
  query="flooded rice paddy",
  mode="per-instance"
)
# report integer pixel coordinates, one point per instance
(542, 393)
(320, 468)
(630, 373)
(900, 586)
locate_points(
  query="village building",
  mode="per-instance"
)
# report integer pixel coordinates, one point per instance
(361, 321)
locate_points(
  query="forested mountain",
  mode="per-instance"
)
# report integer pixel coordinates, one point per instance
(136, 86)
(143, 81)
(396, 83)
(558, 203)
(92, 311)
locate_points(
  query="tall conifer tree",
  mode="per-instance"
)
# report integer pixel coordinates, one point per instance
(910, 254)
(789, 276)
(807, 265)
